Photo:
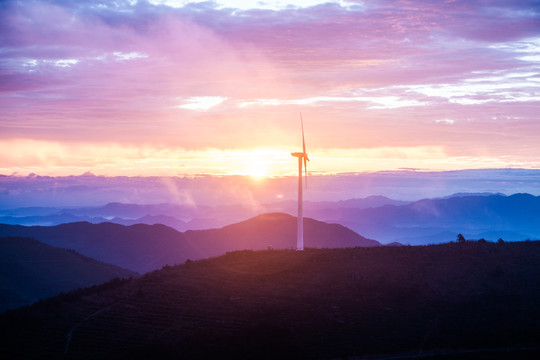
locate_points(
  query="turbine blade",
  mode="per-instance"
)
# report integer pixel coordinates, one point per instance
(304, 154)
(303, 141)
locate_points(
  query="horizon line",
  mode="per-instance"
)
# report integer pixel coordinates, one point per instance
(90, 173)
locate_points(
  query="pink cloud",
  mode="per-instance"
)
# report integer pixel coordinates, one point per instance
(388, 72)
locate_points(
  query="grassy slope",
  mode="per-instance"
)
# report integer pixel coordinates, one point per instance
(313, 304)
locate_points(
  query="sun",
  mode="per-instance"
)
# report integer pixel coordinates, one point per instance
(259, 163)
(257, 168)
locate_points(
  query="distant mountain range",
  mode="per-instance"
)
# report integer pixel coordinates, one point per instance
(144, 248)
(427, 221)
(180, 217)
(515, 217)
(31, 270)
(470, 300)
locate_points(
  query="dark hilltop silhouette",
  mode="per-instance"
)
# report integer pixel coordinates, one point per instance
(143, 248)
(465, 300)
(30, 271)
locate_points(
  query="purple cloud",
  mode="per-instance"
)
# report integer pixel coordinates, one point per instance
(461, 75)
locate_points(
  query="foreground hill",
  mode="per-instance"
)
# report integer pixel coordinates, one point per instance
(144, 248)
(30, 270)
(472, 299)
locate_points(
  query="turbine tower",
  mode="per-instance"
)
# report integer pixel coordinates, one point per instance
(302, 157)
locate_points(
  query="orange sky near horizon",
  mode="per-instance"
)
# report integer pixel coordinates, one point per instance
(58, 159)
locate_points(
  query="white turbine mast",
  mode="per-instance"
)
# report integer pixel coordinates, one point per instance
(302, 157)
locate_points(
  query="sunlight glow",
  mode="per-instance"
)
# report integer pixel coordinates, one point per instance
(54, 158)
(24, 156)
(258, 163)
(255, 165)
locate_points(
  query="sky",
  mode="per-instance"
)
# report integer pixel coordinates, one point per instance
(171, 87)
(28, 192)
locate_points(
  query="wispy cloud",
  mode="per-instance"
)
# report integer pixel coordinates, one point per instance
(235, 74)
(201, 103)
(381, 102)
(129, 56)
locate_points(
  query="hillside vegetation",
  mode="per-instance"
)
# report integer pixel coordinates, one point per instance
(30, 270)
(459, 299)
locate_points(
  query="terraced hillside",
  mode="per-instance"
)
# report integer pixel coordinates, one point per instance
(471, 299)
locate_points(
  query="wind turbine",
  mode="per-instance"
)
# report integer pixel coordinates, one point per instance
(302, 157)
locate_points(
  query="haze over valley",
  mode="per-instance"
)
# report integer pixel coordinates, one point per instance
(410, 207)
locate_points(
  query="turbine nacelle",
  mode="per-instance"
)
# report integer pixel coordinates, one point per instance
(300, 155)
